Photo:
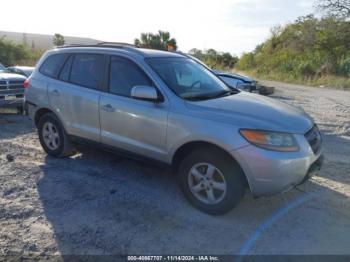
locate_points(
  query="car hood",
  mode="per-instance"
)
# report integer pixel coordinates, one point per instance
(246, 110)
(244, 78)
(9, 76)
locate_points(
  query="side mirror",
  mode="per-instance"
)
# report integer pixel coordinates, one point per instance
(148, 93)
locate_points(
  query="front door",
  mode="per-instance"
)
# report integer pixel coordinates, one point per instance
(130, 124)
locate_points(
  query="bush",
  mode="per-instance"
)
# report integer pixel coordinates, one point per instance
(308, 48)
(14, 54)
(344, 67)
(11, 53)
(215, 59)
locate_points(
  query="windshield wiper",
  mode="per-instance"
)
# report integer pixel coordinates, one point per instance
(210, 96)
(223, 93)
(197, 98)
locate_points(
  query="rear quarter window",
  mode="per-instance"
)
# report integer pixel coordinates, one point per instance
(86, 70)
(52, 65)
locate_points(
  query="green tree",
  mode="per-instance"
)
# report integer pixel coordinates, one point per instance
(196, 53)
(58, 40)
(215, 59)
(160, 41)
(11, 54)
(309, 47)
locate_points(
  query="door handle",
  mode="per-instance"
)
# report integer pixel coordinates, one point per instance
(108, 108)
(55, 92)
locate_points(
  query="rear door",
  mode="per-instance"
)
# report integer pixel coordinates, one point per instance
(75, 95)
(134, 125)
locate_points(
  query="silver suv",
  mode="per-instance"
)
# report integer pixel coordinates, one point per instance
(166, 107)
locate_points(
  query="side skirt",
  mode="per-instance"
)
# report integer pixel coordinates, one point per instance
(118, 151)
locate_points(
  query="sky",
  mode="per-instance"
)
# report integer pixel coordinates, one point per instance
(234, 26)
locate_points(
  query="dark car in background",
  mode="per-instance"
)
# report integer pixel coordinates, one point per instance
(243, 82)
(237, 81)
(21, 70)
(11, 90)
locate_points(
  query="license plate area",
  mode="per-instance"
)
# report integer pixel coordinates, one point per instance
(10, 97)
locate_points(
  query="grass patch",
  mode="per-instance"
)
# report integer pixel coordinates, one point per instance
(329, 81)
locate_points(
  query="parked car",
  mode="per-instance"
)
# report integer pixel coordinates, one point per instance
(21, 70)
(235, 80)
(11, 90)
(244, 83)
(166, 107)
(2, 66)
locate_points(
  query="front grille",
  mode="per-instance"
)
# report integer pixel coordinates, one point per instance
(3, 84)
(16, 84)
(314, 138)
(12, 84)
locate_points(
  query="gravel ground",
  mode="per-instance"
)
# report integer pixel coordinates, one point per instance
(97, 203)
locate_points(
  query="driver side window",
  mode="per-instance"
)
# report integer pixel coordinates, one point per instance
(124, 75)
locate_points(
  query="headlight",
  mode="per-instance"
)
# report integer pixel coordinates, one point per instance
(270, 140)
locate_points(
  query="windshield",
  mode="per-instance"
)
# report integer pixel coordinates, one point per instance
(188, 79)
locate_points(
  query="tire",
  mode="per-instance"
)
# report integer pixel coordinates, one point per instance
(62, 147)
(262, 90)
(225, 167)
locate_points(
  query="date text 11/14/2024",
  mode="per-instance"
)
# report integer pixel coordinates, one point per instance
(173, 258)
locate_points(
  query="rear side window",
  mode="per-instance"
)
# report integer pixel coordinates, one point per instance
(52, 64)
(64, 74)
(86, 70)
(124, 75)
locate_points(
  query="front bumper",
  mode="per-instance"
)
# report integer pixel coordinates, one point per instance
(18, 102)
(270, 172)
(18, 96)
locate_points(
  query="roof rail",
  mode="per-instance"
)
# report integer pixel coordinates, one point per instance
(101, 44)
(117, 44)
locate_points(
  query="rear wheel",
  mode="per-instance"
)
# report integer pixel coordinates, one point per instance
(211, 181)
(53, 137)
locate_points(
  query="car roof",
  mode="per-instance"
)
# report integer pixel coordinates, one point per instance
(158, 53)
(144, 52)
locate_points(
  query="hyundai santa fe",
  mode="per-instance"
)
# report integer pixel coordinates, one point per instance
(166, 107)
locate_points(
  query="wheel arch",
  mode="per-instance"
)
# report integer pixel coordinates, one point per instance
(43, 111)
(183, 150)
(39, 113)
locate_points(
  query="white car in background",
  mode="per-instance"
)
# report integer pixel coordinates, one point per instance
(11, 89)
(21, 70)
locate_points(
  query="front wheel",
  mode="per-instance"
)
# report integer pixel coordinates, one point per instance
(211, 181)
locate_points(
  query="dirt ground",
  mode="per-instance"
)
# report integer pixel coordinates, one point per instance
(97, 203)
